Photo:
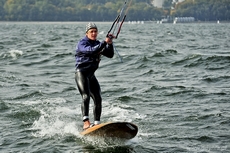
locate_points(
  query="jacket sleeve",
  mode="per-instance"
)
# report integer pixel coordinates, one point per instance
(86, 48)
(108, 51)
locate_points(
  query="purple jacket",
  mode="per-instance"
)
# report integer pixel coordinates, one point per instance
(88, 53)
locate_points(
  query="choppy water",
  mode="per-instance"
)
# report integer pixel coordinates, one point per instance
(173, 83)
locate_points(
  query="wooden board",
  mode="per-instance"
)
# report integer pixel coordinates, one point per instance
(123, 130)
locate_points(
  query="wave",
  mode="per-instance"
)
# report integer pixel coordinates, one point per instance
(213, 79)
(46, 45)
(27, 114)
(3, 106)
(185, 60)
(209, 62)
(13, 54)
(28, 95)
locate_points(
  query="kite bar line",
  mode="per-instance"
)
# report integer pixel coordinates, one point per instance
(119, 29)
(117, 19)
(116, 23)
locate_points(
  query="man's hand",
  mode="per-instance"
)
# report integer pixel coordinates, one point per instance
(109, 38)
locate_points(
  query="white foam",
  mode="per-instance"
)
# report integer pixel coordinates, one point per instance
(120, 112)
(57, 100)
(102, 32)
(55, 119)
(15, 53)
(54, 124)
(58, 119)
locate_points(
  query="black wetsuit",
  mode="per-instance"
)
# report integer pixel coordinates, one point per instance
(87, 55)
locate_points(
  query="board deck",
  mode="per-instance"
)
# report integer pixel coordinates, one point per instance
(123, 130)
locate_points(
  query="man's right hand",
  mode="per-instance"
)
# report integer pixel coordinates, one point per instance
(109, 38)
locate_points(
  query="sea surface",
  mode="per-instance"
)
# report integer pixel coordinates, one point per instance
(173, 83)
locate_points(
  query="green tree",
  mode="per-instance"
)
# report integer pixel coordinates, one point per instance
(205, 10)
(107, 10)
(2, 11)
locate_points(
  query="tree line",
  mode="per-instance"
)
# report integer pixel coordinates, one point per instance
(75, 10)
(107, 10)
(204, 10)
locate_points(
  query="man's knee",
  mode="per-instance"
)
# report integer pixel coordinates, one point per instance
(85, 98)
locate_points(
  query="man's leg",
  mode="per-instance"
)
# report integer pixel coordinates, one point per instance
(83, 87)
(95, 92)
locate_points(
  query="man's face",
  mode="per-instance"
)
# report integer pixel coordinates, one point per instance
(92, 34)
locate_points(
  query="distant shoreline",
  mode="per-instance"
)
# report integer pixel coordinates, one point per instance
(131, 22)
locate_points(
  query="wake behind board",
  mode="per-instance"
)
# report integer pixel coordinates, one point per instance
(123, 130)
